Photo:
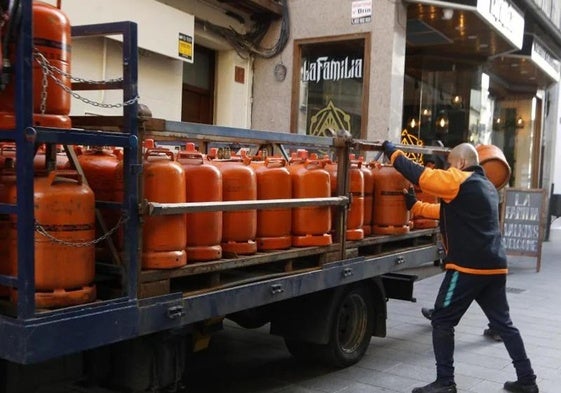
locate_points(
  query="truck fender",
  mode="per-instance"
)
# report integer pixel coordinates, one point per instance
(304, 318)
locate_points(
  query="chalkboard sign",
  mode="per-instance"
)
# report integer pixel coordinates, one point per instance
(523, 216)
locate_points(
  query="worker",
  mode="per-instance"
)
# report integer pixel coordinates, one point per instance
(475, 260)
(489, 332)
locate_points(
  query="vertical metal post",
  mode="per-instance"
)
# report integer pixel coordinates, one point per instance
(131, 160)
(342, 144)
(24, 137)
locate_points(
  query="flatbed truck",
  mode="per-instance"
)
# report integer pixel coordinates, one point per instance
(326, 301)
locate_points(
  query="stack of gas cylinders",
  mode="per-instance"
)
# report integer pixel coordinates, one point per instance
(65, 210)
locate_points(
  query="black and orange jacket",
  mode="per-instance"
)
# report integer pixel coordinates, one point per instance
(468, 213)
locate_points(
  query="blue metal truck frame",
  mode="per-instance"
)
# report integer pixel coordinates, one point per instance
(28, 335)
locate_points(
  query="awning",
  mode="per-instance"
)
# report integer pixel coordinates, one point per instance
(465, 28)
(533, 67)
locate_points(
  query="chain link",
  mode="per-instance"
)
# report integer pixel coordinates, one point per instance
(49, 70)
(44, 86)
(40, 229)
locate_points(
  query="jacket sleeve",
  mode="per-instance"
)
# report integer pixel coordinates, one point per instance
(426, 210)
(409, 169)
(444, 184)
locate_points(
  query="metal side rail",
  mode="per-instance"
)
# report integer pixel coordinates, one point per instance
(175, 310)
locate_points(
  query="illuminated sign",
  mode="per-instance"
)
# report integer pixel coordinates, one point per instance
(503, 16)
(543, 59)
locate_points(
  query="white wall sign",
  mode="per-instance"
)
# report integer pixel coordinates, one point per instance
(361, 11)
(161, 29)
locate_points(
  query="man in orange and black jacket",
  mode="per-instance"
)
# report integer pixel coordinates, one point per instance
(475, 261)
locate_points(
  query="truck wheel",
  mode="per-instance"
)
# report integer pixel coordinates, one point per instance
(350, 330)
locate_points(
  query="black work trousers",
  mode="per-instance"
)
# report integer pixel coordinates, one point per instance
(457, 292)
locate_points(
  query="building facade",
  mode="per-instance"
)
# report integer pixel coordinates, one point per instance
(479, 71)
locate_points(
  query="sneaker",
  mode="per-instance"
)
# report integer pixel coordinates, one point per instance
(436, 387)
(519, 387)
(492, 335)
(427, 312)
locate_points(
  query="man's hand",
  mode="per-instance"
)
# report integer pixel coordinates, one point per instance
(410, 197)
(389, 149)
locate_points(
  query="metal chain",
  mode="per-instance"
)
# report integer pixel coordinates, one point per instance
(49, 71)
(39, 228)
(44, 86)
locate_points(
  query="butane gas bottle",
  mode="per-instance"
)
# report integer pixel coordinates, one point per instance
(8, 150)
(423, 222)
(311, 225)
(274, 226)
(496, 167)
(389, 213)
(239, 183)
(163, 237)
(7, 180)
(368, 196)
(65, 212)
(355, 212)
(101, 167)
(203, 183)
(60, 159)
(52, 40)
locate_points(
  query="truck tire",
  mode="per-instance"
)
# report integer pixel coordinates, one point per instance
(350, 330)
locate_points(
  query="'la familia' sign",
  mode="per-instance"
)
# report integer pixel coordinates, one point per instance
(331, 69)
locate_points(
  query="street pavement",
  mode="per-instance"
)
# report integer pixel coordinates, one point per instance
(252, 361)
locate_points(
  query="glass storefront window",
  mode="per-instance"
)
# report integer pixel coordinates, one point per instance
(445, 105)
(330, 87)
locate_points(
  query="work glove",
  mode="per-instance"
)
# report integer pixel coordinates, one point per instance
(410, 198)
(389, 149)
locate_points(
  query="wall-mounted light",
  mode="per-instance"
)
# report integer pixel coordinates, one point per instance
(520, 122)
(442, 122)
(413, 123)
(457, 101)
(498, 123)
(447, 13)
(426, 112)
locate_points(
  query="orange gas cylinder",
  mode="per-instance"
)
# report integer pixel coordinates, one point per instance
(311, 226)
(493, 160)
(203, 183)
(239, 228)
(274, 226)
(52, 38)
(7, 152)
(355, 213)
(101, 167)
(163, 237)
(65, 214)
(389, 213)
(7, 180)
(355, 217)
(422, 222)
(39, 163)
(368, 196)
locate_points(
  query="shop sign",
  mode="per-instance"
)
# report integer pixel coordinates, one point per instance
(361, 11)
(504, 17)
(523, 222)
(544, 60)
(330, 69)
(185, 47)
